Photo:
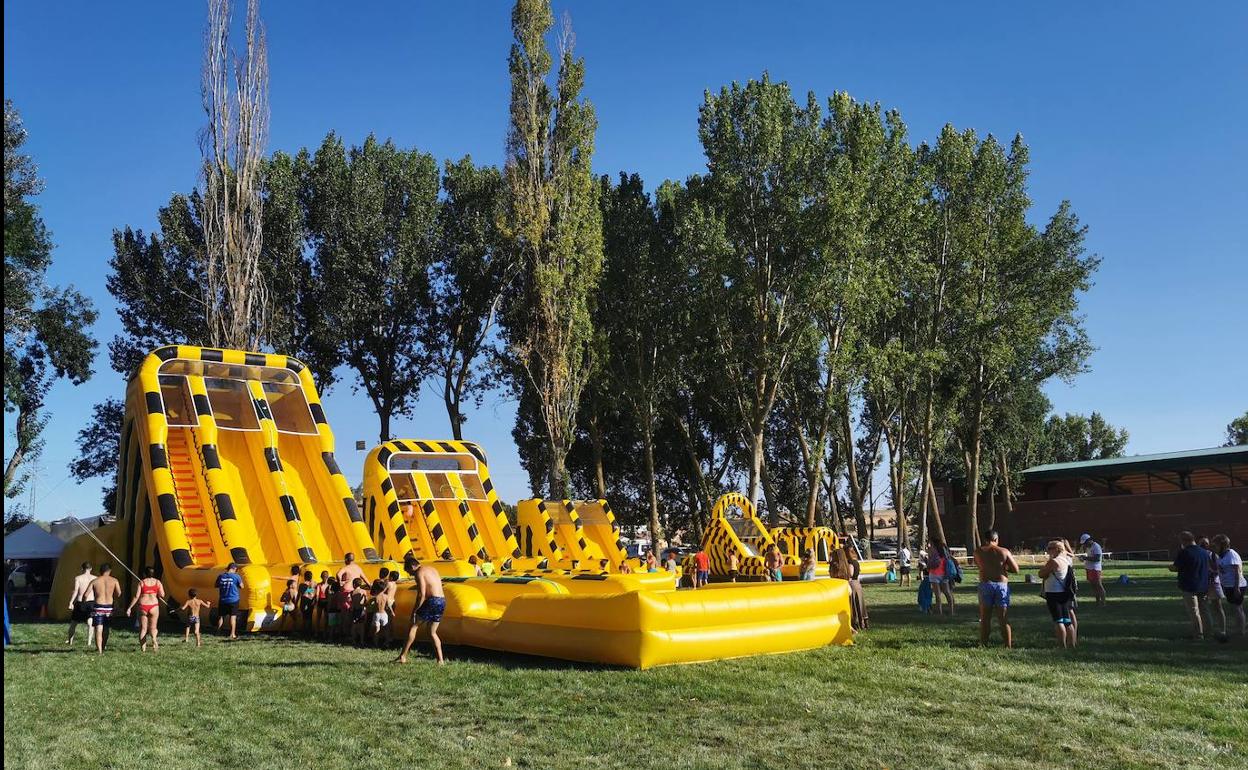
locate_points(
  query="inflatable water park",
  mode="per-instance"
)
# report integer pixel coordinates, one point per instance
(227, 457)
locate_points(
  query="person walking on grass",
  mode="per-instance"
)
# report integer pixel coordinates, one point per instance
(1231, 577)
(151, 594)
(190, 610)
(229, 591)
(430, 604)
(392, 595)
(106, 591)
(995, 565)
(1058, 575)
(1192, 566)
(1093, 565)
(903, 566)
(1213, 595)
(81, 602)
(938, 575)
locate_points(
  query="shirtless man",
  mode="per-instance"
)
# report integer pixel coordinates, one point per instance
(350, 571)
(106, 591)
(430, 604)
(81, 602)
(995, 564)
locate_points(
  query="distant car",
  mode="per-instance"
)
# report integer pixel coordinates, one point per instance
(19, 577)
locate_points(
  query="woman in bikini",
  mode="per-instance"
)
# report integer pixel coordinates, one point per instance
(151, 594)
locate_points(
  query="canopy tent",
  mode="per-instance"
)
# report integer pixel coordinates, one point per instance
(32, 542)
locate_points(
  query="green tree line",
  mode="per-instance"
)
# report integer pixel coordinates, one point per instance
(827, 297)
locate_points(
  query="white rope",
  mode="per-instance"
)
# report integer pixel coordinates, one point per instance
(115, 556)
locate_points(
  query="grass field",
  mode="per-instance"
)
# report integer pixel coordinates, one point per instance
(914, 692)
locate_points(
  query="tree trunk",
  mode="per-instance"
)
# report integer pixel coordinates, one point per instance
(756, 465)
(851, 471)
(938, 527)
(595, 440)
(769, 491)
(972, 479)
(652, 490)
(383, 415)
(1007, 521)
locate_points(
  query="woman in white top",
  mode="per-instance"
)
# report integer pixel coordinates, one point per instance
(1056, 573)
(1231, 577)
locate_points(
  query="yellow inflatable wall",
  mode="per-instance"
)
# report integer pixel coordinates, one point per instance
(226, 456)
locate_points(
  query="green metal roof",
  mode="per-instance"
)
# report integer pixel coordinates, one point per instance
(1117, 466)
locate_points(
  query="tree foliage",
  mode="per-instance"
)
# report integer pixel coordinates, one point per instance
(553, 226)
(1237, 431)
(46, 328)
(1076, 437)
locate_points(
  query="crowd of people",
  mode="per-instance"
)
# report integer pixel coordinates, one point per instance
(344, 607)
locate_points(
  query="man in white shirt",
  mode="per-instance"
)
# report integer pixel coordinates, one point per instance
(903, 561)
(81, 603)
(1231, 577)
(1093, 564)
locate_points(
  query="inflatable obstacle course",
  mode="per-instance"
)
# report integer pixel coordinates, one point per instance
(226, 456)
(432, 499)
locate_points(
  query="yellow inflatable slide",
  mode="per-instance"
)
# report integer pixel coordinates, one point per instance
(434, 500)
(226, 456)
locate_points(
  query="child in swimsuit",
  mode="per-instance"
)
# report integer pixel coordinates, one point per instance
(307, 600)
(359, 611)
(288, 606)
(333, 612)
(322, 601)
(190, 611)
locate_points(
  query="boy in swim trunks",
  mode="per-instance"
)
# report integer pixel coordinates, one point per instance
(378, 613)
(106, 591)
(430, 604)
(359, 611)
(392, 593)
(190, 611)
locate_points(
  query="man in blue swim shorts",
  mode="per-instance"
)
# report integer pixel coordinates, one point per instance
(995, 564)
(430, 604)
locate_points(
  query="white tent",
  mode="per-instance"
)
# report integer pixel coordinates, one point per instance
(32, 542)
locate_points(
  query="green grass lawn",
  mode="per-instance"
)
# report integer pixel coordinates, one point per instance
(914, 692)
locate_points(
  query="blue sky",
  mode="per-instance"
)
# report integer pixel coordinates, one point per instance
(1135, 112)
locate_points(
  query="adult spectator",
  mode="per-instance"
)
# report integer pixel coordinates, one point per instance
(106, 591)
(1231, 577)
(1093, 565)
(81, 602)
(995, 565)
(1058, 575)
(1192, 566)
(350, 570)
(229, 591)
(903, 563)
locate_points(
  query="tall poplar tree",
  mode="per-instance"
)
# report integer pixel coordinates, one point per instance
(553, 224)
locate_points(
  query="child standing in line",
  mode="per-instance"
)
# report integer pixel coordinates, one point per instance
(322, 604)
(378, 615)
(359, 611)
(307, 601)
(190, 611)
(333, 609)
(288, 606)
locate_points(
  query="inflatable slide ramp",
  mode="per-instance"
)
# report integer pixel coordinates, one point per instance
(226, 456)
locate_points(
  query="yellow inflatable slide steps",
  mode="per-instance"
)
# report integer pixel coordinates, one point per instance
(226, 456)
(433, 500)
